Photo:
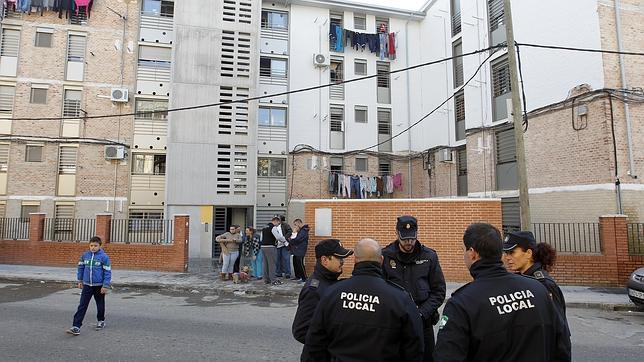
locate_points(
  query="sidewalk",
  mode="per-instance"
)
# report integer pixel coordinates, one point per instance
(576, 296)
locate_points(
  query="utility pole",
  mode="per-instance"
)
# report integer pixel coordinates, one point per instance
(524, 198)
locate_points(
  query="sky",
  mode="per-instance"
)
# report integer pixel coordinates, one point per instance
(402, 4)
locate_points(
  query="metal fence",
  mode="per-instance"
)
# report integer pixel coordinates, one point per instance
(145, 231)
(635, 239)
(580, 237)
(14, 228)
(69, 229)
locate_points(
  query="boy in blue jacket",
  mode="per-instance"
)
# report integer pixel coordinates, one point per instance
(94, 276)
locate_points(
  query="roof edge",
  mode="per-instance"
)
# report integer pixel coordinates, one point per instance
(356, 5)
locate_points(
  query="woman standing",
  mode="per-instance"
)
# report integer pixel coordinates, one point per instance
(229, 242)
(251, 252)
(525, 256)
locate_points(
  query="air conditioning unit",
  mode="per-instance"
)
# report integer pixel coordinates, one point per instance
(320, 60)
(114, 152)
(119, 95)
(445, 155)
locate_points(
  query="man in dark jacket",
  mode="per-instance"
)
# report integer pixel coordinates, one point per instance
(365, 318)
(329, 255)
(500, 316)
(415, 267)
(298, 246)
(269, 252)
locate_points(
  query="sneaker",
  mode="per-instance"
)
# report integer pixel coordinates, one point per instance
(74, 331)
(277, 282)
(100, 325)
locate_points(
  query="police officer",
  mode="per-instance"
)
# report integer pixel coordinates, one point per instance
(500, 316)
(365, 318)
(525, 256)
(415, 267)
(330, 257)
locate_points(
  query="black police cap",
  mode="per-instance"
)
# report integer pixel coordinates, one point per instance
(407, 227)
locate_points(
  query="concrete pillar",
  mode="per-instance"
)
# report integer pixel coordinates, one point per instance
(37, 226)
(104, 226)
(181, 235)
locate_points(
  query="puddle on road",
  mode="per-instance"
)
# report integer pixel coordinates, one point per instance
(11, 291)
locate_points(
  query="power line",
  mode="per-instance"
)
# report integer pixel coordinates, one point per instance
(246, 100)
(590, 50)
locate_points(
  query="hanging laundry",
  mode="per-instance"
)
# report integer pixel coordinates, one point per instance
(355, 186)
(382, 40)
(86, 5)
(372, 186)
(347, 186)
(339, 43)
(392, 46)
(363, 187)
(24, 6)
(380, 189)
(332, 182)
(390, 184)
(398, 184)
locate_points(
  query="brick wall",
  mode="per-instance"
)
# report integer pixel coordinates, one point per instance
(441, 225)
(171, 258)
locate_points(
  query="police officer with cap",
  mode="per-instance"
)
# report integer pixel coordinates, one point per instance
(524, 255)
(415, 267)
(365, 318)
(500, 316)
(329, 255)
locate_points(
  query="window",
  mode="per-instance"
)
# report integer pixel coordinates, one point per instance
(67, 160)
(459, 115)
(146, 220)
(501, 88)
(360, 67)
(510, 214)
(382, 25)
(336, 72)
(506, 160)
(271, 167)
(274, 20)
(455, 7)
(336, 127)
(64, 221)
(33, 153)
(362, 164)
(461, 185)
(151, 105)
(457, 63)
(38, 95)
(72, 103)
(158, 8)
(384, 167)
(383, 82)
(361, 115)
(4, 157)
(336, 19)
(359, 21)
(7, 95)
(76, 48)
(336, 164)
(497, 22)
(148, 164)
(27, 209)
(384, 129)
(10, 44)
(43, 37)
(155, 57)
(272, 67)
(272, 117)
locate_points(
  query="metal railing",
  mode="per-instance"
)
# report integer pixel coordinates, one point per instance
(14, 228)
(635, 238)
(144, 231)
(580, 237)
(64, 229)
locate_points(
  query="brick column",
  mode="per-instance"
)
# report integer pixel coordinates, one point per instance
(104, 226)
(181, 236)
(613, 237)
(37, 226)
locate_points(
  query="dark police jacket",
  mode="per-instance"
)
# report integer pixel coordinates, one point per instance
(501, 316)
(310, 295)
(365, 318)
(268, 239)
(420, 274)
(541, 275)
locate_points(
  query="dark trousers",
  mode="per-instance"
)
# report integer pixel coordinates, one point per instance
(86, 296)
(428, 332)
(298, 265)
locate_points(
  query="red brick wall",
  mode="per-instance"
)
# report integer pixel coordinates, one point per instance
(441, 225)
(172, 258)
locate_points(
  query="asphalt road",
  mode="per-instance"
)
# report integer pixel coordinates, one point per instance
(145, 325)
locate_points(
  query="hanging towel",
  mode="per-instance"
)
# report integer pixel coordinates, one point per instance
(398, 185)
(339, 42)
(392, 46)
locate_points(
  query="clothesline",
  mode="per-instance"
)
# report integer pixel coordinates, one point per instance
(70, 7)
(382, 43)
(363, 187)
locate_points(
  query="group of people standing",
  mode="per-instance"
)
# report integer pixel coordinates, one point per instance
(387, 309)
(266, 252)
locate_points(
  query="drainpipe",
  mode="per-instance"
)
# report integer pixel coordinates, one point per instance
(408, 107)
(622, 70)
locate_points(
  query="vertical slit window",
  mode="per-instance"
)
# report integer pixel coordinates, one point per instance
(76, 48)
(4, 157)
(67, 160)
(459, 115)
(457, 51)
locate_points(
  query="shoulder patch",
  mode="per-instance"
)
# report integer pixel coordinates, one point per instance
(539, 274)
(443, 321)
(314, 283)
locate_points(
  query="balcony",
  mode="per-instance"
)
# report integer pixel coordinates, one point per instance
(156, 28)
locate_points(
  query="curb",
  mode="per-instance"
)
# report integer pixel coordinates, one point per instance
(604, 306)
(155, 286)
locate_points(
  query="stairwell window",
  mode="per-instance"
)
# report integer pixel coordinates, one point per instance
(272, 117)
(501, 88)
(148, 164)
(271, 167)
(274, 20)
(383, 81)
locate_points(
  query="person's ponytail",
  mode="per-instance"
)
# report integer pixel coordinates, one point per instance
(546, 255)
